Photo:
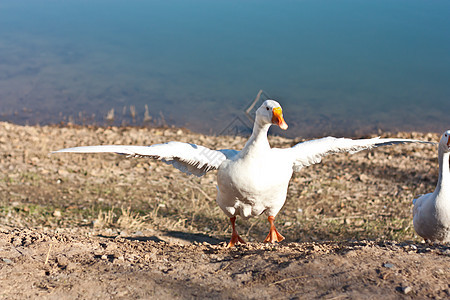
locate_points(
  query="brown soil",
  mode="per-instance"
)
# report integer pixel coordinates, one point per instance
(107, 227)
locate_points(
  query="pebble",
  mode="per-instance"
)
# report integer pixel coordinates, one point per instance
(62, 261)
(406, 290)
(446, 252)
(440, 271)
(388, 265)
(8, 261)
(363, 178)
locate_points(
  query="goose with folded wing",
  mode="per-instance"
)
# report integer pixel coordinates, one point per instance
(431, 212)
(254, 180)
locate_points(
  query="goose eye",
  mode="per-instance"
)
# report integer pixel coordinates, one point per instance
(267, 108)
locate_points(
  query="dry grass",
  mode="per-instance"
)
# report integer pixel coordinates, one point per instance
(123, 219)
(363, 196)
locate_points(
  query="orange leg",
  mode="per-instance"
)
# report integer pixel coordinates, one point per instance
(235, 238)
(274, 235)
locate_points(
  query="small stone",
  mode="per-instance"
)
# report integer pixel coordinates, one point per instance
(57, 213)
(70, 266)
(388, 265)
(62, 261)
(446, 252)
(104, 257)
(121, 258)
(363, 178)
(8, 261)
(406, 290)
(110, 247)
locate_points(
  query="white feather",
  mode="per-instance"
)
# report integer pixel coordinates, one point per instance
(311, 152)
(188, 158)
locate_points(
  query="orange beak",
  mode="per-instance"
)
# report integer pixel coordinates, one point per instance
(277, 118)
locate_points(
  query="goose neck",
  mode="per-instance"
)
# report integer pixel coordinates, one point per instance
(259, 136)
(444, 170)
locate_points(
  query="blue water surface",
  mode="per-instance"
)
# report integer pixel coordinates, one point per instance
(337, 67)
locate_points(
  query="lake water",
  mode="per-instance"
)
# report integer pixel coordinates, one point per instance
(337, 67)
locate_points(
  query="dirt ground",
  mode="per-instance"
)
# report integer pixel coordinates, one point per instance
(107, 227)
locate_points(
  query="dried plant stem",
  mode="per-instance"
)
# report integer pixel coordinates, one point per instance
(48, 254)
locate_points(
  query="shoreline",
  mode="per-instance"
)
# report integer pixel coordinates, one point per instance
(245, 133)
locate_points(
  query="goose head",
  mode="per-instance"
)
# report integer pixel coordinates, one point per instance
(270, 112)
(444, 144)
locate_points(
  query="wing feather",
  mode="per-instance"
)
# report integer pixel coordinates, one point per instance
(188, 158)
(312, 152)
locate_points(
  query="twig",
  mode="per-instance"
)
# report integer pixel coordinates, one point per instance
(338, 297)
(348, 217)
(18, 250)
(201, 191)
(252, 225)
(48, 254)
(287, 279)
(224, 268)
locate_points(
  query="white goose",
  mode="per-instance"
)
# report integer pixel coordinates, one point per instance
(255, 179)
(431, 212)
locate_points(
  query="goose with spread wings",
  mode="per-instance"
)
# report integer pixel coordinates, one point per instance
(255, 179)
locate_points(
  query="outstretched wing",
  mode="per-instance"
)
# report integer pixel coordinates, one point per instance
(188, 158)
(311, 152)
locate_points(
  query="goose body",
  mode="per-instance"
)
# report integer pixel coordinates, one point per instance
(254, 180)
(254, 183)
(431, 212)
